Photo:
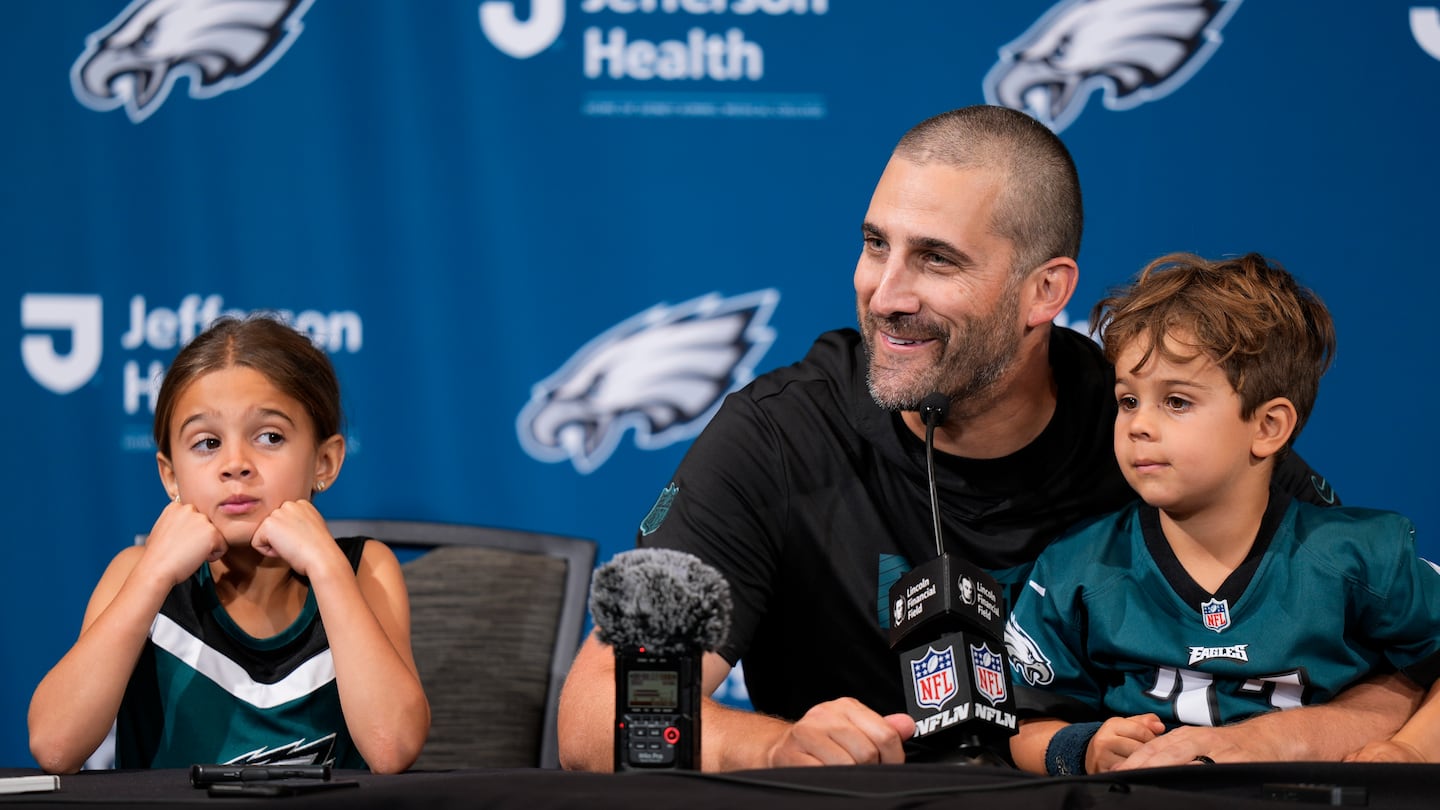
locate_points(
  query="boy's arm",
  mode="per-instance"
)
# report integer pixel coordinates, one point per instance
(1055, 747)
(1029, 744)
(1370, 710)
(837, 732)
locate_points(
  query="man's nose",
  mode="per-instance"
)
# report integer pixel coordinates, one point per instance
(895, 293)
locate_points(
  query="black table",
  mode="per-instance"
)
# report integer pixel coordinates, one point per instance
(898, 786)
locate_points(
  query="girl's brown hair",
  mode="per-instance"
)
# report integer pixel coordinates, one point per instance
(286, 357)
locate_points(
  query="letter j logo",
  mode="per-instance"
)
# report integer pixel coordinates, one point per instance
(80, 316)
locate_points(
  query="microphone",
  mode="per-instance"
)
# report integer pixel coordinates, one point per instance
(660, 610)
(947, 621)
(933, 410)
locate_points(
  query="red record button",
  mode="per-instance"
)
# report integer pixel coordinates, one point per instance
(672, 735)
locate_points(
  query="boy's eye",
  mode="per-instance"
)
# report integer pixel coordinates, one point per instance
(208, 443)
(1175, 403)
(271, 437)
(1127, 403)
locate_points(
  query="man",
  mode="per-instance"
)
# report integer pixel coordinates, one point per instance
(808, 490)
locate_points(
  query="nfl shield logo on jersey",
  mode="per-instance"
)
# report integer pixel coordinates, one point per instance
(989, 673)
(1216, 614)
(935, 681)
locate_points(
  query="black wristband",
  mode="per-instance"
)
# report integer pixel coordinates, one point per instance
(1065, 756)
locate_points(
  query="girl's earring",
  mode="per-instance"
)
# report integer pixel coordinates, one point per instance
(320, 485)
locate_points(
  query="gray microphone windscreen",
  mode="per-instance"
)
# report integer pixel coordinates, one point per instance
(666, 601)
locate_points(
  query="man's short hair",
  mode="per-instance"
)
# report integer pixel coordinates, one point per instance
(1039, 207)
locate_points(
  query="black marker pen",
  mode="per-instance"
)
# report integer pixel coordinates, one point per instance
(206, 775)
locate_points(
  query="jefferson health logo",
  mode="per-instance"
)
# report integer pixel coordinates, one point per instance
(76, 316)
(667, 58)
(1425, 28)
(63, 339)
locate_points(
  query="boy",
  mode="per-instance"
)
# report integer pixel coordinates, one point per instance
(1215, 598)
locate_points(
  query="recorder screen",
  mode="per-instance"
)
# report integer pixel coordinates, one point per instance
(649, 689)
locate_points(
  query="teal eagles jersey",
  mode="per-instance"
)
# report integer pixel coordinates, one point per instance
(204, 691)
(1327, 597)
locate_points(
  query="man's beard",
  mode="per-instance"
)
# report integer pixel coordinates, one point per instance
(971, 362)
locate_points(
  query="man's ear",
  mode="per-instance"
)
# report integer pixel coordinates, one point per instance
(1275, 422)
(1047, 289)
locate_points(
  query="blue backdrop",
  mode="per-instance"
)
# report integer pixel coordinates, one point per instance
(542, 239)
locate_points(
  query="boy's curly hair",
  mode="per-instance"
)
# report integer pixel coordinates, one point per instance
(1271, 336)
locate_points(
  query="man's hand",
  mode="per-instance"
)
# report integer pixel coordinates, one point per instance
(843, 732)
(1386, 751)
(1184, 745)
(1119, 738)
(1369, 711)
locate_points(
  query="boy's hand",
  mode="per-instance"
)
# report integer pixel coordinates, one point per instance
(180, 542)
(296, 533)
(1118, 738)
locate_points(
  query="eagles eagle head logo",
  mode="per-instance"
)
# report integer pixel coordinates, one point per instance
(1025, 655)
(1133, 51)
(219, 44)
(661, 373)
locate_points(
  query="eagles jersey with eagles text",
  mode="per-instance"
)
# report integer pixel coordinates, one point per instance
(205, 691)
(1326, 597)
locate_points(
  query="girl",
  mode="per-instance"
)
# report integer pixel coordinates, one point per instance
(241, 630)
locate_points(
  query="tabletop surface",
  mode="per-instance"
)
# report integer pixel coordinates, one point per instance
(911, 786)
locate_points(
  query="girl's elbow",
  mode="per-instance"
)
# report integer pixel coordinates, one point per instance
(390, 764)
(397, 752)
(52, 756)
(395, 757)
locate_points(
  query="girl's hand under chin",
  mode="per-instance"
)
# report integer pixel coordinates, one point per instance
(180, 542)
(296, 533)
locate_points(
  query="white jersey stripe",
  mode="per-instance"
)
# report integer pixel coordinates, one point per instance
(230, 676)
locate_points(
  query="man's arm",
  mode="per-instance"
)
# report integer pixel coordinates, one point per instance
(837, 732)
(1418, 741)
(1371, 710)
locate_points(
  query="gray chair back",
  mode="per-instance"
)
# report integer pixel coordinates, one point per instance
(496, 617)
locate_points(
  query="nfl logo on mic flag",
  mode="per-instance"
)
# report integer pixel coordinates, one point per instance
(989, 673)
(934, 675)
